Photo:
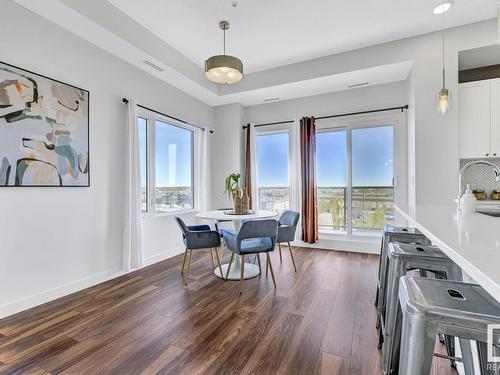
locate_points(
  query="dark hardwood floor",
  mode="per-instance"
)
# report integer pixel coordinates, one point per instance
(320, 320)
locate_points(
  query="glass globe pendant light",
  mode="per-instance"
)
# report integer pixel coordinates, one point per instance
(443, 105)
(224, 69)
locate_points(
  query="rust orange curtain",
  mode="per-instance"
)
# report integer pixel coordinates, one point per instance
(248, 166)
(308, 178)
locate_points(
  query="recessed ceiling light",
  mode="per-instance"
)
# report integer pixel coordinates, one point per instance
(443, 7)
(271, 99)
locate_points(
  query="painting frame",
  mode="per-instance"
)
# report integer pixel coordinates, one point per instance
(88, 149)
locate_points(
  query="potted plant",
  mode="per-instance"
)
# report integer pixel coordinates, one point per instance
(233, 191)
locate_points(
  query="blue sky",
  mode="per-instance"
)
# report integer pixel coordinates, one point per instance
(331, 158)
(372, 158)
(142, 149)
(272, 159)
(173, 154)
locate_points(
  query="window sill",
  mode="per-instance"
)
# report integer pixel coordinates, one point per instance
(167, 214)
(337, 235)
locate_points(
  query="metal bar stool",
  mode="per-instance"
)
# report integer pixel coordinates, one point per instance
(404, 258)
(391, 234)
(431, 307)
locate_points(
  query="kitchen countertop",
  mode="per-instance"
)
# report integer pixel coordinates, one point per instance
(472, 241)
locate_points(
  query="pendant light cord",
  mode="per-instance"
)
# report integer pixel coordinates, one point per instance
(442, 21)
(224, 31)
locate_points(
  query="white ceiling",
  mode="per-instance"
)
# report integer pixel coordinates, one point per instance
(326, 84)
(177, 35)
(271, 33)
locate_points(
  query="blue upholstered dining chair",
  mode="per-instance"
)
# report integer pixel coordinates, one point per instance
(254, 237)
(198, 237)
(287, 225)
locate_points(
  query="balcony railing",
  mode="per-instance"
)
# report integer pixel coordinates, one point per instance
(372, 207)
(274, 198)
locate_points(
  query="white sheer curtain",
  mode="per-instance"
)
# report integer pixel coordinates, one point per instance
(253, 167)
(203, 168)
(132, 234)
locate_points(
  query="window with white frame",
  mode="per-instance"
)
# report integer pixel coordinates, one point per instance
(167, 150)
(142, 123)
(272, 162)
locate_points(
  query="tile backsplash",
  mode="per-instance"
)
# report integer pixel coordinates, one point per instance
(481, 176)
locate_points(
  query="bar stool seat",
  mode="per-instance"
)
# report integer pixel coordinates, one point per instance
(403, 258)
(432, 307)
(393, 234)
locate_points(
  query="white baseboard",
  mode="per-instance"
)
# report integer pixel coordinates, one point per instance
(37, 299)
(351, 245)
(162, 256)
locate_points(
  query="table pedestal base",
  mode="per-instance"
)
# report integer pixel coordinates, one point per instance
(251, 270)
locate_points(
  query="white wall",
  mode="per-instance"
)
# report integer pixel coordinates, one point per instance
(226, 146)
(56, 240)
(410, 144)
(354, 100)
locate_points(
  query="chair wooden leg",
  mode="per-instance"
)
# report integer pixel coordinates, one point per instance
(291, 254)
(212, 257)
(184, 261)
(242, 274)
(258, 261)
(281, 257)
(229, 265)
(267, 265)
(218, 262)
(186, 276)
(271, 268)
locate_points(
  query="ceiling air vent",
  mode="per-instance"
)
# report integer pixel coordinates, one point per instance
(271, 100)
(154, 66)
(358, 85)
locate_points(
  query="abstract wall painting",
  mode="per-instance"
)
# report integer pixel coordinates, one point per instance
(44, 131)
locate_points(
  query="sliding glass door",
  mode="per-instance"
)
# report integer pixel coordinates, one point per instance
(272, 170)
(355, 169)
(332, 179)
(372, 155)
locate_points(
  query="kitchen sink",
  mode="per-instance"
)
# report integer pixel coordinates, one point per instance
(490, 213)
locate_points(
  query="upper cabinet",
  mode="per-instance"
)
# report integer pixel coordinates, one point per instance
(479, 110)
(495, 117)
(474, 112)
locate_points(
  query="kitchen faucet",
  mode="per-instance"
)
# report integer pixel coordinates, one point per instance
(465, 167)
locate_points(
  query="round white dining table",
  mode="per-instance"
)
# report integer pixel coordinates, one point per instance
(251, 270)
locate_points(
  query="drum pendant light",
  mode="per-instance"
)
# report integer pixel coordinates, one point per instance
(224, 69)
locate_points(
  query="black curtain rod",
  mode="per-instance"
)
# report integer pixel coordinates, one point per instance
(270, 123)
(166, 115)
(402, 108)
